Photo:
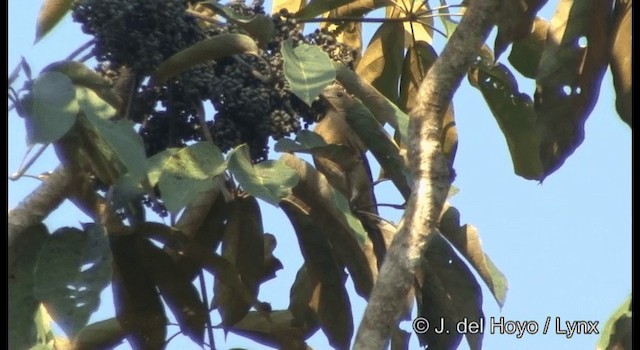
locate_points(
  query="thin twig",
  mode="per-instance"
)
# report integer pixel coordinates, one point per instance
(171, 338)
(15, 73)
(79, 50)
(86, 57)
(25, 166)
(203, 291)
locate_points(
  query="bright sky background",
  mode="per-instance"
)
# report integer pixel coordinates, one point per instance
(565, 246)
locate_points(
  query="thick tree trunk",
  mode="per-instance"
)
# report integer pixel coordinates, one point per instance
(431, 173)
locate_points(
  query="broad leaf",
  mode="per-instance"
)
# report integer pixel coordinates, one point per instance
(139, 309)
(22, 303)
(292, 6)
(381, 63)
(73, 268)
(318, 7)
(526, 52)
(100, 335)
(569, 75)
(347, 235)
(212, 49)
(467, 240)
(276, 331)
(621, 59)
(515, 116)
(50, 14)
(413, 31)
(259, 26)
(617, 333)
(189, 172)
(53, 108)
(242, 246)
(515, 20)
(308, 70)
(270, 180)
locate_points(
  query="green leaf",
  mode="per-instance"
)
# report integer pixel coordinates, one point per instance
(308, 69)
(43, 325)
(617, 334)
(22, 304)
(270, 180)
(526, 52)
(50, 14)
(515, 116)
(156, 164)
(189, 172)
(449, 24)
(259, 26)
(73, 268)
(318, 7)
(381, 63)
(81, 75)
(116, 141)
(53, 108)
(100, 335)
(277, 330)
(212, 49)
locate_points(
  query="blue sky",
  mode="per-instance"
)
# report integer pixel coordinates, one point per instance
(565, 245)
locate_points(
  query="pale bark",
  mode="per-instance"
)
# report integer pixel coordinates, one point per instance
(431, 174)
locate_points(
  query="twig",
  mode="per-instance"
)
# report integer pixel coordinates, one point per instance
(205, 298)
(79, 50)
(25, 166)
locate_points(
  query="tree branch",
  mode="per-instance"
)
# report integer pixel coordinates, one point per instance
(39, 204)
(431, 173)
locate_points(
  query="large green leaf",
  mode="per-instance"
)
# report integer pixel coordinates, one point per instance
(22, 303)
(617, 333)
(568, 79)
(53, 108)
(270, 180)
(259, 26)
(515, 20)
(73, 268)
(514, 113)
(526, 52)
(467, 240)
(50, 14)
(189, 172)
(211, 49)
(105, 334)
(308, 70)
(116, 143)
(318, 7)
(381, 63)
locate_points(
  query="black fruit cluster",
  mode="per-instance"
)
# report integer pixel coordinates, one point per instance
(250, 94)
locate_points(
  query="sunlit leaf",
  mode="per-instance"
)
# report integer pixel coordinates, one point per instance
(413, 31)
(50, 14)
(22, 304)
(467, 240)
(318, 7)
(42, 320)
(308, 70)
(617, 333)
(568, 79)
(73, 268)
(53, 108)
(270, 180)
(189, 172)
(292, 6)
(621, 59)
(381, 63)
(100, 335)
(211, 49)
(526, 52)
(138, 307)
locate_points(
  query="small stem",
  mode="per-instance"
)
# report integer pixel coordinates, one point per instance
(205, 298)
(86, 57)
(79, 50)
(203, 122)
(15, 73)
(171, 338)
(433, 9)
(25, 166)
(394, 206)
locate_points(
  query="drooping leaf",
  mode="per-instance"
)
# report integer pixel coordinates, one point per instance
(317, 7)
(139, 309)
(621, 59)
(381, 63)
(242, 246)
(515, 116)
(271, 264)
(189, 172)
(329, 299)
(176, 289)
(116, 142)
(419, 58)
(100, 335)
(270, 180)
(50, 14)
(568, 79)
(22, 304)
(515, 20)
(211, 49)
(53, 108)
(617, 333)
(526, 52)
(73, 268)
(347, 235)
(467, 240)
(277, 331)
(449, 293)
(81, 75)
(308, 70)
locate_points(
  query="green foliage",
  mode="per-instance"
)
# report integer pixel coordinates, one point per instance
(308, 69)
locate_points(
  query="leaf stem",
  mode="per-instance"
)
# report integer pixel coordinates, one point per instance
(205, 298)
(80, 49)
